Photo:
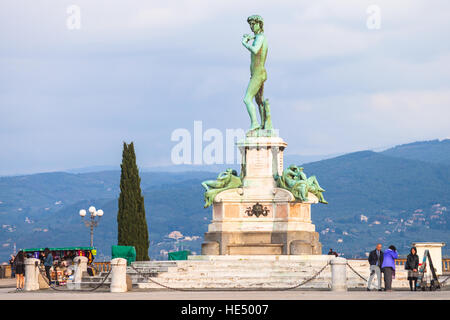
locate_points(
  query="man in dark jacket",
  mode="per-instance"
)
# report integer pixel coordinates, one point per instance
(375, 261)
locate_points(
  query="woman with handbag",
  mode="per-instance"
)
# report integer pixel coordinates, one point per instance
(412, 265)
(19, 265)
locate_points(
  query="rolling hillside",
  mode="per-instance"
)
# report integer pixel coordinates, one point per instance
(434, 151)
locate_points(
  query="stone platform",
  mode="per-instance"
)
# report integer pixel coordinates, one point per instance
(244, 272)
(256, 272)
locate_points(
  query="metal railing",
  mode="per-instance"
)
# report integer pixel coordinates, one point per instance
(401, 262)
(446, 264)
(5, 271)
(102, 266)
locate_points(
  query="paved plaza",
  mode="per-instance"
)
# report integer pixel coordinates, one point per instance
(7, 288)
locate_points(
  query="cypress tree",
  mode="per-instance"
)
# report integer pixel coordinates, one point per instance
(131, 221)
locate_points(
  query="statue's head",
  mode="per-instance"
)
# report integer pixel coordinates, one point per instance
(256, 23)
(231, 171)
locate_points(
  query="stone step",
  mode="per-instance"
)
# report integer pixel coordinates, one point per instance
(236, 285)
(147, 270)
(247, 265)
(212, 278)
(84, 285)
(150, 268)
(136, 276)
(283, 258)
(226, 274)
(240, 267)
(95, 279)
(250, 262)
(153, 264)
(244, 266)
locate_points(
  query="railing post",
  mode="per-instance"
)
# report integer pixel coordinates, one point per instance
(31, 274)
(118, 275)
(80, 267)
(338, 274)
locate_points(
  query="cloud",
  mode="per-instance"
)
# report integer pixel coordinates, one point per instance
(138, 70)
(367, 121)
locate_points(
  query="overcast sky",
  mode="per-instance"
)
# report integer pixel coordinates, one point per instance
(138, 70)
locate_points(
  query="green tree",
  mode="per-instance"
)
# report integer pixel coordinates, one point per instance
(131, 220)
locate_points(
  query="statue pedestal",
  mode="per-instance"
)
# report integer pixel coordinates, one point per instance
(260, 218)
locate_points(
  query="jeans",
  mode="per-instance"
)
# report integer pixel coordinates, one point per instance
(374, 269)
(47, 272)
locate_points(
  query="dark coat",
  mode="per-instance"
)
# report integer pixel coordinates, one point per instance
(412, 262)
(373, 258)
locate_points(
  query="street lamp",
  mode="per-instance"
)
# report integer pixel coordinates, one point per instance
(93, 222)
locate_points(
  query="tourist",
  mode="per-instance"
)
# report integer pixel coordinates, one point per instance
(19, 266)
(11, 263)
(412, 264)
(41, 257)
(375, 261)
(388, 266)
(332, 253)
(48, 263)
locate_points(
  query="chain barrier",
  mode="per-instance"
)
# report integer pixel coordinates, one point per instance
(441, 283)
(86, 290)
(356, 272)
(233, 289)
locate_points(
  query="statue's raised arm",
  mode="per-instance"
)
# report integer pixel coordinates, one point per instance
(254, 46)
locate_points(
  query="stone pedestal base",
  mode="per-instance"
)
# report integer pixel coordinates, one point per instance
(262, 243)
(260, 218)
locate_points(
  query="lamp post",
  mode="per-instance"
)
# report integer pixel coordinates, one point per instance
(92, 222)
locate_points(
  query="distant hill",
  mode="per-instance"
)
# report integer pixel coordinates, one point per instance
(373, 197)
(434, 151)
(291, 158)
(403, 201)
(172, 202)
(370, 181)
